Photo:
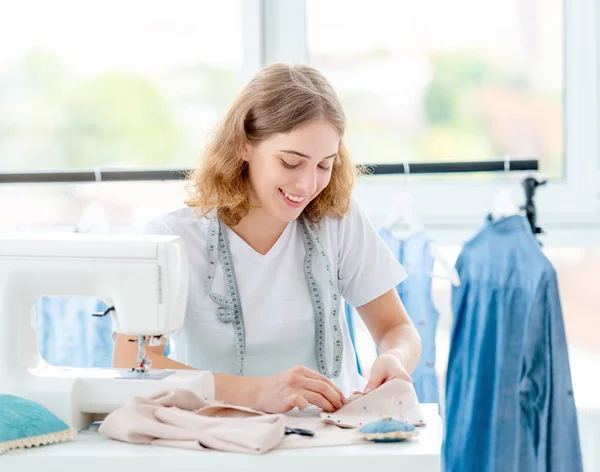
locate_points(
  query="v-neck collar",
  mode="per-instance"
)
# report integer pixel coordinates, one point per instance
(239, 246)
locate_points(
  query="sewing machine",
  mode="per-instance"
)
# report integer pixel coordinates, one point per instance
(144, 281)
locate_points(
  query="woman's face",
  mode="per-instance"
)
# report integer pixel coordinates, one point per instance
(287, 171)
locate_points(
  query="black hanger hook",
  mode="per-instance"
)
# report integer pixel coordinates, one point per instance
(530, 185)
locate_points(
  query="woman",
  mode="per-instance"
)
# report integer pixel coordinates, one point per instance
(275, 244)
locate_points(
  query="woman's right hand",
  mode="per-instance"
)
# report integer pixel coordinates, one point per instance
(297, 387)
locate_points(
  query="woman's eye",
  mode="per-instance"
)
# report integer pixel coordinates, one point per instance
(288, 166)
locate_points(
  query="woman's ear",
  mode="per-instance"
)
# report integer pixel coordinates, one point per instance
(248, 150)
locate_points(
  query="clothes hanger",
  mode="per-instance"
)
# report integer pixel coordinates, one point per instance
(504, 204)
(450, 274)
(94, 218)
(530, 184)
(405, 210)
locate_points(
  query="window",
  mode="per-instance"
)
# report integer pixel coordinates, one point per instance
(468, 81)
(112, 83)
(420, 82)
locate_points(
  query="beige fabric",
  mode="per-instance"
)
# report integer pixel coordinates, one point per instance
(180, 418)
(395, 399)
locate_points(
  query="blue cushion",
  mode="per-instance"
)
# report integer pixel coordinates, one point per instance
(387, 430)
(24, 423)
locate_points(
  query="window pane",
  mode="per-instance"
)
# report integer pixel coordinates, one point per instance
(132, 83)
(420, 82)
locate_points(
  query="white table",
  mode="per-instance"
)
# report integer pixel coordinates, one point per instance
(93, 452)
(588, 418)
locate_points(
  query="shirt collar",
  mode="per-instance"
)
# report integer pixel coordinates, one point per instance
(509, 223)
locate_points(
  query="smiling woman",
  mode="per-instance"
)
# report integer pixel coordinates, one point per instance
(290, 115)
(276, 245)
(293, 176)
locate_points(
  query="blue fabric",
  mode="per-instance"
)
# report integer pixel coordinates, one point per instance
(509, 397)
(414, 254)
(350, 321)
(21, 418)
(68, 334)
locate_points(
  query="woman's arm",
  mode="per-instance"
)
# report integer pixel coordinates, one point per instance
(295, 387)
(397, 340)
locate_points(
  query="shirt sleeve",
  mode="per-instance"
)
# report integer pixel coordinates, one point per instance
(157, 227)
(366, 267)
(547, 387)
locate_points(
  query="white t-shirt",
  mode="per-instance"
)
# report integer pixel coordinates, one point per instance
(278, 312)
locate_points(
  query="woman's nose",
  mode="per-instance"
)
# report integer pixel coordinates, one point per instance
(307, 184)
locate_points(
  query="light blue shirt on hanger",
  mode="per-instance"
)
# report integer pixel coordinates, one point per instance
(415, 292)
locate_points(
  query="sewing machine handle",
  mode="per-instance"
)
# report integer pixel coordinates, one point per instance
(108, 310)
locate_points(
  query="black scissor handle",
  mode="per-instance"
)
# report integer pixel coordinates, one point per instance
(301, 432)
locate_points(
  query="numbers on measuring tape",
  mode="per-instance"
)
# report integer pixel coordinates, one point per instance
(229, 306)
(311, 239)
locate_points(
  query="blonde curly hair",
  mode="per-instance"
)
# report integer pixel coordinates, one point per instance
(279, 99)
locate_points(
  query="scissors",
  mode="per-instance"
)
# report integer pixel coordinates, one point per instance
(301, 432)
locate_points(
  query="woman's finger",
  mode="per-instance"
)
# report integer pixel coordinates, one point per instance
(297, 401)
(316, 376)
(318, 400)
(403, 376)
(324, 389)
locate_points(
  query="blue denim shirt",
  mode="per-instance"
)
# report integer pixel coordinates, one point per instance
(415, 292)
(509, 397)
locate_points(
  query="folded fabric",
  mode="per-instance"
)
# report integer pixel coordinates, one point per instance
(25, 423)
(395, 399)
(180, 418)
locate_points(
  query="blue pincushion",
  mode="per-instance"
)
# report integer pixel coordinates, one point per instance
(24, 423)
(387, 430)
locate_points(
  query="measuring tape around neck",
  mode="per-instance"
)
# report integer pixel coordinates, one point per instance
(311, 238)
(229, 307)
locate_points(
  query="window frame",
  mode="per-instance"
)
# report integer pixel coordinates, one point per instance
(568, 208)
(452, 208)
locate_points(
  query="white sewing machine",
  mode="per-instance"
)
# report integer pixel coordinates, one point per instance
(144, 279)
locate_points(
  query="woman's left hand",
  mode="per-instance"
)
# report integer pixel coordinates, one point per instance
(386, 367)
